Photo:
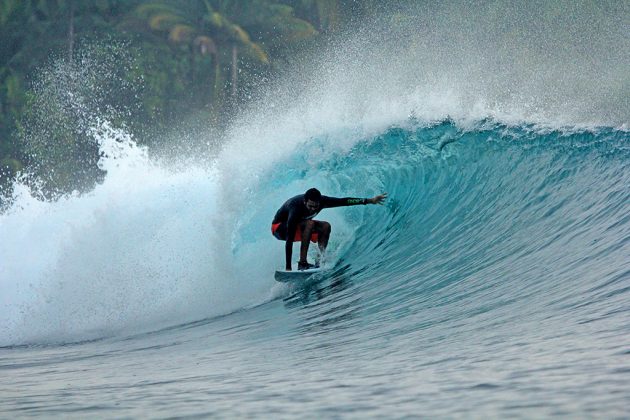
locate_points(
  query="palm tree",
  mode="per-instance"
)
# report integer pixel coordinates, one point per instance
(201, 26)
(326, 13)
(223, 29)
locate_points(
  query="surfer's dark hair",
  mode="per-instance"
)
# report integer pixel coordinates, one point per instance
(313, 194)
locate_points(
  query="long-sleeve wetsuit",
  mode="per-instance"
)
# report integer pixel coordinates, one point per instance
(294, 211)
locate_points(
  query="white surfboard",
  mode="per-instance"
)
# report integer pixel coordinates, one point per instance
(297, 275)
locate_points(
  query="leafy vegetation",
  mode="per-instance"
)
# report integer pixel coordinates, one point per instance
(174, 59)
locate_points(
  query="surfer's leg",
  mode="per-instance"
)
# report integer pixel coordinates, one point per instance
(323, 233)
(307, 229)
(323, 229)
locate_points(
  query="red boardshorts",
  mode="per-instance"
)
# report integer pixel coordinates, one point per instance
(279, 230)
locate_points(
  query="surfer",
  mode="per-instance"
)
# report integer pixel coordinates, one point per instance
(294, 222)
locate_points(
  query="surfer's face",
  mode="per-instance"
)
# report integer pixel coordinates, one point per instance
(312, 205)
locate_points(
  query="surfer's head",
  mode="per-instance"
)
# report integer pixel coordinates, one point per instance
(312, 198)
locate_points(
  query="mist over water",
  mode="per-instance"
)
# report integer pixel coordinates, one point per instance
(560, 64)
(554, 66)
(494, 280)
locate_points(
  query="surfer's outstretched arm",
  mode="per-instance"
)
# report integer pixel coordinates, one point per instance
(328, 202)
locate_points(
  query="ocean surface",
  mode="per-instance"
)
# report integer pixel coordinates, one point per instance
(493, 282)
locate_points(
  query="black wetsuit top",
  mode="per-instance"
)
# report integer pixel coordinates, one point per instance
(294, 211)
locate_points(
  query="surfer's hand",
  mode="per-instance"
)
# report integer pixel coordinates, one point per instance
(379, 199)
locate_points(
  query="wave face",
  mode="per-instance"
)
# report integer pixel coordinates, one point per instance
(496, 274)
(495, 280)
(489, 230)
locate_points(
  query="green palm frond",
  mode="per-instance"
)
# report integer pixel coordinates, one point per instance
(238, 34)
(205, 44)
(146, 10)
(235, 33)
(242, 37)
(181, 33)
(164, 22)
(217, 20)
(259, 53)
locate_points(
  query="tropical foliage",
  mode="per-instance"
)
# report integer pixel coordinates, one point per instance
(189, 57)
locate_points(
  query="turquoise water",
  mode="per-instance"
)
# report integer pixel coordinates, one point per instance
(495, 281)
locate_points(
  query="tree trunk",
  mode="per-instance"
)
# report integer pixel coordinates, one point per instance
(71, 32)
(234, 72)
(216, 88)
